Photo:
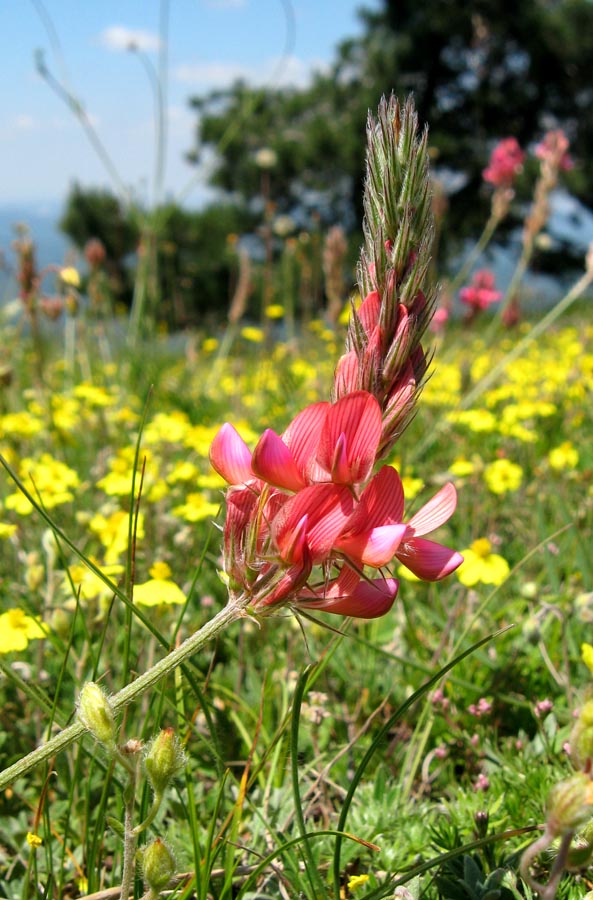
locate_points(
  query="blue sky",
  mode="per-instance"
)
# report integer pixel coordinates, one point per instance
(42, 146)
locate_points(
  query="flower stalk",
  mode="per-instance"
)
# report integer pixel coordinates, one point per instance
(192, 645)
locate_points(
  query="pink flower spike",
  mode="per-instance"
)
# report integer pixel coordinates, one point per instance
(506, 161)
(350, 438)
(368, 600)
(427, 559)
(230, 456)
(480, 294)
(274, 463)
(435, 512)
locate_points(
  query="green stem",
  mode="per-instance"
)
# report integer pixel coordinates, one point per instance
(224, 618)
(476, 252)
(152, 812)
(130, 836)
(517, 278)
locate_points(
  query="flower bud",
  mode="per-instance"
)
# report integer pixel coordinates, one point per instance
(96, 714)
(570, 804)
(158, 865)
(164, 758)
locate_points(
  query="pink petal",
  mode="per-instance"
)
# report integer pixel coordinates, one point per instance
(327, 507)
(428, 560)
(368, 600)
(295, 548)
(369, 310)
(381, 502)
(302, 437)
(230, 456)
(337, 588)
(372, 548)
(436, 512)
(346, 378)
(273, 462)
(349, 440)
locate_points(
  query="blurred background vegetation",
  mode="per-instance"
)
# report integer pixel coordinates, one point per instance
(289, 162)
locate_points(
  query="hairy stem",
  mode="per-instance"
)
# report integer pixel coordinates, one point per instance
(227, 615)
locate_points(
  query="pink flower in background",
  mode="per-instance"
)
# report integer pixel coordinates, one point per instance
(481, 292)
(553, 150)
(506, 161)
(439, 320)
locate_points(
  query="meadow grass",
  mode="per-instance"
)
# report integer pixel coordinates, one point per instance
(324, 758)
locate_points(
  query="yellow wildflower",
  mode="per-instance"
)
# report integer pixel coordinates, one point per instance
(20, 424)
(167, 427)
(93, 395)
(34, 840)
(480, 564)
(587, 656)
(196, 508)
(564, 457)
(112, 530)
(462, 467)
(412, 486)
(69, 276)
(274, 311)
(503, 476)
(49, 478)
(6, 531)
(209, 345)
(183, 471)
(118, 481)
(199, 438)
(159, 590)
(356, 881)
(17, 629)
(89, 585)
(481, 421)
(252, 334)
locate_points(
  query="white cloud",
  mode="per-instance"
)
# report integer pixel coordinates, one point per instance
(275, 72)
(118, 37)
(24, 122)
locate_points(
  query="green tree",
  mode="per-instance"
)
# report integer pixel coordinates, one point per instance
(479, 72)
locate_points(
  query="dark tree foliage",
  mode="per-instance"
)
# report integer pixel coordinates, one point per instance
(195, 261)
(479, 71)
